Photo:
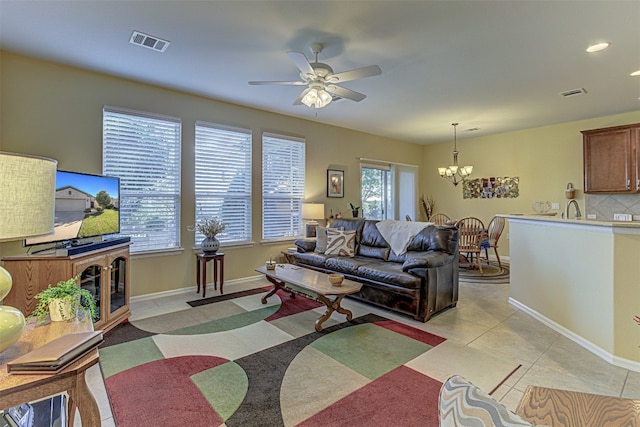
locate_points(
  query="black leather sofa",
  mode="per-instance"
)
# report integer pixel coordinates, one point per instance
(421, 282)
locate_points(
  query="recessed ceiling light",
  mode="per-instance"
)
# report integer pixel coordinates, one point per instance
(635, 73)
(598, 47)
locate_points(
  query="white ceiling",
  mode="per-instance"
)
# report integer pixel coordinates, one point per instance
(494, 65)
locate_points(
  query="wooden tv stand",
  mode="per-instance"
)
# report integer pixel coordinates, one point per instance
(104, 272)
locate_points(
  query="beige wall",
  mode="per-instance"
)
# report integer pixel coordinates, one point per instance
(545, 159)
(56, 111)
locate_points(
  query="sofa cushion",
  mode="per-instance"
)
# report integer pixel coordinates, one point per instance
(347, 224)
(346, 265)
(311, 258)
(462, 404)
(341, 243)
(436, 238)
(372, 244)
(389, 272)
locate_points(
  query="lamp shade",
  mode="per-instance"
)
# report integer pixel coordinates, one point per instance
(312, 210)
(27, 196)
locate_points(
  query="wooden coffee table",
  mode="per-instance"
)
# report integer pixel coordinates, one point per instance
(313, 281)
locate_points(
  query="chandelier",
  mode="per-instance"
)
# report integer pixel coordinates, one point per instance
(455, 173)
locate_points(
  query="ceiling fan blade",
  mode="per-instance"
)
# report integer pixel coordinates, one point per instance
(343, 92)
(298, 100)
(358, 73)
(296, 83)
(302, 63)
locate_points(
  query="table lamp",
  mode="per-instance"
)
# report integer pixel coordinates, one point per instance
(27, 209)
(312, 212)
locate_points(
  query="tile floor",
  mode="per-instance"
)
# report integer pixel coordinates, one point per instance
(483, 321)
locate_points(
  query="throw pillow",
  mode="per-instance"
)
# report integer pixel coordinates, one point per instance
(462, 404)
(321, 239)
(341, 242)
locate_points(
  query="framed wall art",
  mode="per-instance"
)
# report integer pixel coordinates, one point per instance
(491, 188)
(335, 183)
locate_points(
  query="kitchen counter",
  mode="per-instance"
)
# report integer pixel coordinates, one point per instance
(582, 278)
(582, 221)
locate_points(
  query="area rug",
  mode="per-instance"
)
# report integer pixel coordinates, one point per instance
(237, 362)
(491, 272)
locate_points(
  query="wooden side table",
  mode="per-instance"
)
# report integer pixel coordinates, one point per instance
(563, 408)
(18, 389)
(201, 271)
(288, 256)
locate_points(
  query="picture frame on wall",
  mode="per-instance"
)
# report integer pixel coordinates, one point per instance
(335, 183)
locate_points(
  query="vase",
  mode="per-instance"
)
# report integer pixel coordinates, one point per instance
(355, 214)
(210, 245)
(61, 310)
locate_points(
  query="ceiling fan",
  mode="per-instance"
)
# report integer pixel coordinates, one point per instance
(321, 81)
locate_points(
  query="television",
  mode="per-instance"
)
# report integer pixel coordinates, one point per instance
(85, 206)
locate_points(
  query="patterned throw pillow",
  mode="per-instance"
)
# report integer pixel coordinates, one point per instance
(341, 242)
(462, 404)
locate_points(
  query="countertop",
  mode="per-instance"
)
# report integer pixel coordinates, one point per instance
(556, 220)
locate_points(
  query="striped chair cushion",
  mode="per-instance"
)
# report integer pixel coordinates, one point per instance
(462, 404)
(341, 242)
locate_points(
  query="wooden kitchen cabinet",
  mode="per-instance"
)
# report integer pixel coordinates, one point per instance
(103, 272)
(612, 159)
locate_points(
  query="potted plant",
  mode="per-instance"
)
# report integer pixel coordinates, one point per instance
(63, 301)
(210, 228)
(354, 210)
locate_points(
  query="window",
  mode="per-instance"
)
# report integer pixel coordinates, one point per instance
(283, 163)
(143, 150)
(388, 191)
(376, 192)
(223, 179)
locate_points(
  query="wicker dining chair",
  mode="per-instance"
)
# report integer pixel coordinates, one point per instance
(440, 219)
(471, 230)
(496, 226)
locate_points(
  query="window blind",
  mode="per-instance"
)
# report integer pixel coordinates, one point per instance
(223, 179)
(143, 150)
(283, 175)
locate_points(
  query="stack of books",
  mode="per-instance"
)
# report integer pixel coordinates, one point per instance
(56, 355)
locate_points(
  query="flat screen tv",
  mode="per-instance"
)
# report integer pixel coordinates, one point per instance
(86, 206)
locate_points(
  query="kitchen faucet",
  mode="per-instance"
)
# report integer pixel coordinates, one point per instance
(576, 210)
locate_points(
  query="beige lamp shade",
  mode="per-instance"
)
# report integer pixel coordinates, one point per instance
(27, 209)
(27, 196)
(313, 211)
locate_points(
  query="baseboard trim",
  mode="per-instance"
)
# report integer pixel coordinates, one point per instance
(187, 289)
(586, 344)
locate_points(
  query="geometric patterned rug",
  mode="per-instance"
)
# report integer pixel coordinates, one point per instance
(238, 362)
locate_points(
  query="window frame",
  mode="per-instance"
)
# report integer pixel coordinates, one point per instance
(160, 191)
(292, 186)
(205, 198)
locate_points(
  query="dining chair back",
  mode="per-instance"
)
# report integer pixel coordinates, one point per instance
(471, 231)
(440, 219)
(496, 226)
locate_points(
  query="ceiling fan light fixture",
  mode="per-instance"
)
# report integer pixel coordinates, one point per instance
(317, 98)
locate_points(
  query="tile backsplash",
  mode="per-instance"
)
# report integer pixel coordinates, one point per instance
(605, 205)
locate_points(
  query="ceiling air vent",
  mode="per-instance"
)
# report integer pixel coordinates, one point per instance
(573, 92)
(148, 41)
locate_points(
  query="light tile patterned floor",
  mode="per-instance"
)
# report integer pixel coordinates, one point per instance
(484, 321)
